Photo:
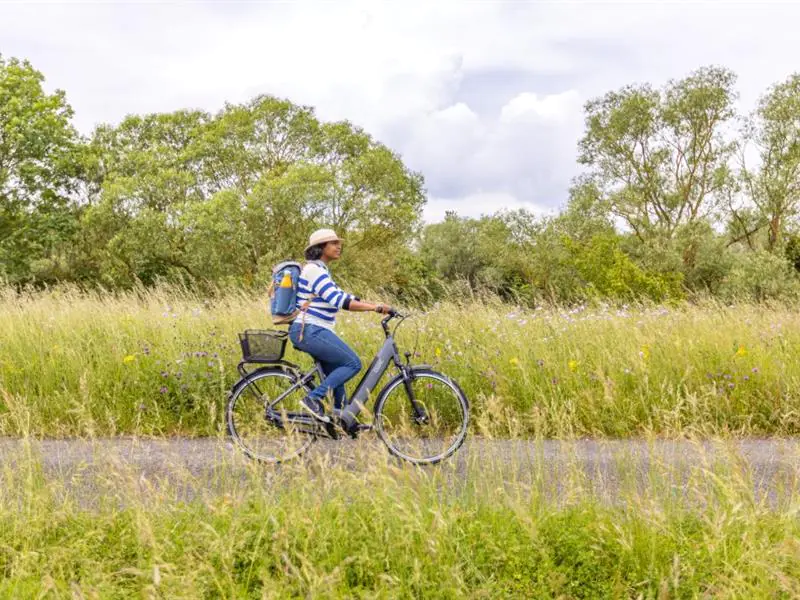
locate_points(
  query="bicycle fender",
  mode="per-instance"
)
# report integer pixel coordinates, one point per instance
(266, 369)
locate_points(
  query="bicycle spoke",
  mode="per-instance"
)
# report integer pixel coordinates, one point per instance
(428, 439)
(265, 418)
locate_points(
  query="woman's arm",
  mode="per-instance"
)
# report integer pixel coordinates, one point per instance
(324, 287)
(359, 306)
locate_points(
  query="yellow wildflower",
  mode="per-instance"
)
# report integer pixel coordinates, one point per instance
(438, 352)
(514, 361)
(129, 358)
(742, 351)
(645, 352)
(573, 365)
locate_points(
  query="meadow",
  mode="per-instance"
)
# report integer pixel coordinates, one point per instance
(160, 362)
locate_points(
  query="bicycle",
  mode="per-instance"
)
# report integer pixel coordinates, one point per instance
(411, 415)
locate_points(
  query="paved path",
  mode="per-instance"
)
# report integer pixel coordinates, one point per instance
(193, 466)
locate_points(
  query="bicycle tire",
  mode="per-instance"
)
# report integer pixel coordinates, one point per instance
(236, 394)
(390, 387)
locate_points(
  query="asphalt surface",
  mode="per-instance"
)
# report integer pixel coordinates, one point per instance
(188, 468)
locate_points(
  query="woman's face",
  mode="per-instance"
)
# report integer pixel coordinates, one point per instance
(332, 250)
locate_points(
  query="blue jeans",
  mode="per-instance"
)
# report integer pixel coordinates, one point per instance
(339, 363)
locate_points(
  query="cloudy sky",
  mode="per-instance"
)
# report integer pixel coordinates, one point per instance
(484, 98)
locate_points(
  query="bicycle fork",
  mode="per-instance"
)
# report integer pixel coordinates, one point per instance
(420, 416)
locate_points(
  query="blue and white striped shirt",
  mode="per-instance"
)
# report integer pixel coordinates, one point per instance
(327, 297)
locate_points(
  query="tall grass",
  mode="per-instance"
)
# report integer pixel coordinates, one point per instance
(370, 528)
(161, 362)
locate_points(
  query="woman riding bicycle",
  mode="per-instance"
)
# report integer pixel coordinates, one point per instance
(319, 299)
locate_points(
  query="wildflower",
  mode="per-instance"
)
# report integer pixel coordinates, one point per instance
(731, 385)
(573, 365)
(164, 374)
(129, 359)
(163, 389)
(741, 351)
(514, 361)
(554, 380)
(438, 352)
(746, 377)
(645, 352)
(755, 369)
(540, 362)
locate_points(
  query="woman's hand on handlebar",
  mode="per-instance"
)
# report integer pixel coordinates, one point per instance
(383, 309)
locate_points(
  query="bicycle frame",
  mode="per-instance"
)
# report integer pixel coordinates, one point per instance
(387, 354)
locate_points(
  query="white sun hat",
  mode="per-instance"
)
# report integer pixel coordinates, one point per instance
(321, 236)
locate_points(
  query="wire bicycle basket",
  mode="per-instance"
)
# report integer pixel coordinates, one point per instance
(263, 345)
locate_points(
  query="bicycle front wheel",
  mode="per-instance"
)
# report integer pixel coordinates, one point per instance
(264, 416)
(430, 431)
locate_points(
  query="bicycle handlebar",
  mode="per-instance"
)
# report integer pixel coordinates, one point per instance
(391, 314)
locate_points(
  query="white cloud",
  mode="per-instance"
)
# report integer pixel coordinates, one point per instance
(484, 98)
(478, 205)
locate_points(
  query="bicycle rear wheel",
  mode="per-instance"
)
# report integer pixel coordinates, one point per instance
(267, 427)
(444, 406)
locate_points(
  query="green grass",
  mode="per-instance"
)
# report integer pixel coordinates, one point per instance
(373, 529)
(161, 362)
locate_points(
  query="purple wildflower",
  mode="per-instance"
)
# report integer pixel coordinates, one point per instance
(164, 374)
(163, 389)
(755, 369)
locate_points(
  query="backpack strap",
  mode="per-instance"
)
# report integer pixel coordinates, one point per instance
(304, 307)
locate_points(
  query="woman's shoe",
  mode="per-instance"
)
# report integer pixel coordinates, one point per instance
(316, 409)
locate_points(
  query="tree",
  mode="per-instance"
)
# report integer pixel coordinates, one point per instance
(36, 149)
(659, 158)
(222, 198)
(774, 187)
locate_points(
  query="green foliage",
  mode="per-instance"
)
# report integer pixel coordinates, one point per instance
(610, 273)
(36, 149)
(659, 158)
(212, 201)
(218, 199)
(760, 275)
(774, 187)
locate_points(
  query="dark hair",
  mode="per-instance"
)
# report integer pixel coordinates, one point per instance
(315, 252)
